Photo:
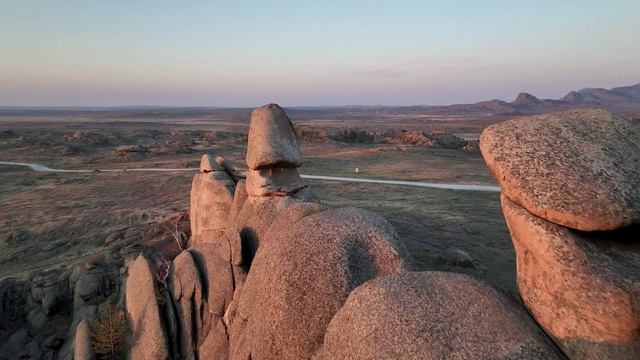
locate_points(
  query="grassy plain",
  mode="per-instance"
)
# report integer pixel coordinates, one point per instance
(50, 220)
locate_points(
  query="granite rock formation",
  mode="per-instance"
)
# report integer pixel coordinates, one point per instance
(432, 315)
(571, 200)
(579, 169)
(302, 276)
(149, 338)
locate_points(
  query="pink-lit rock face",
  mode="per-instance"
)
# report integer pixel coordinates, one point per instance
(581, 287)
(301, 276)
(211, 201)
(187, 289)
(432, 315)
(272, 141)
(148, 334)
(579, 168)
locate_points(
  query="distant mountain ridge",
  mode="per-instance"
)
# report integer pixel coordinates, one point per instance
(600, 95)
(618, 99)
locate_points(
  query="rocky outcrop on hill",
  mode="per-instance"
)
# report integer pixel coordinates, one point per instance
(269, 276)
(271, 273)
(526, 99)
(571, 201)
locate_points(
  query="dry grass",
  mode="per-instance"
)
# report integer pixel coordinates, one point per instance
(56, 220)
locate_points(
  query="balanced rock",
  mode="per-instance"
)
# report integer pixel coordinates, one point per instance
(581, 287)
(579, 168)
(432, 315)
(301, 277)
(148, 335)
(274, 181)
(272, 141)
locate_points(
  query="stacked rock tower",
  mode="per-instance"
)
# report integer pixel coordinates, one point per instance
(571, 198)
(273, 155)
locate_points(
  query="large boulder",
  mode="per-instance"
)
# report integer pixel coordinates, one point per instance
(302, 276)
(149, 340)
(255, 218)
(211, 200)
(432, 315)
(581, 287)
(272, 141)
(579, 168)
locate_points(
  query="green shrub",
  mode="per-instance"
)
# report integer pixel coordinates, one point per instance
(354, 136)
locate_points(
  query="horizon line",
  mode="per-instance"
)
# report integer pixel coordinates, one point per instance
(60, 107)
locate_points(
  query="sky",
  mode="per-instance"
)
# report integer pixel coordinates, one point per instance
(297, 53)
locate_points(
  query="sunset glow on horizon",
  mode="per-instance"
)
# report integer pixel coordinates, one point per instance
(224, 53)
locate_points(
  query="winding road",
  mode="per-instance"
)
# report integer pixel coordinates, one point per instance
(445, 186)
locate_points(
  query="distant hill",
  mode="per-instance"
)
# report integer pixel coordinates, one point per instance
(526, 99)
(604, 96)
(624, 100)
(619, 99)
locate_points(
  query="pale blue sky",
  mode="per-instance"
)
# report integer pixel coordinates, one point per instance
(246, 53)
